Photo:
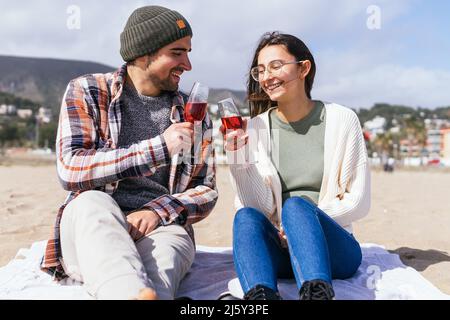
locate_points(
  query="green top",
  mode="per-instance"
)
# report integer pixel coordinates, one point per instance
(300, 150)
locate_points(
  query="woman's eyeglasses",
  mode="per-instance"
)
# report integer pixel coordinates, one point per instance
(273, 67)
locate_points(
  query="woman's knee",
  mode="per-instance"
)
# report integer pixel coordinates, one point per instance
(250, 221)
(296, 207)
(249, 217)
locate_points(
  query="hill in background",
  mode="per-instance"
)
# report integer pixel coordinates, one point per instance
(43, 81)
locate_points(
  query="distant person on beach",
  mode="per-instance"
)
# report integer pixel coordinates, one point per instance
(388, 162)
(391, 164)
(301, 174)
(125, 230)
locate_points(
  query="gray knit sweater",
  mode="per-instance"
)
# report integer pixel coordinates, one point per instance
(143, 117)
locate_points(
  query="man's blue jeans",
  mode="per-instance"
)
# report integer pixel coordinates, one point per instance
(318, 248)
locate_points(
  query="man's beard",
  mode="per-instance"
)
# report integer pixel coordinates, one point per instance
(164, 84)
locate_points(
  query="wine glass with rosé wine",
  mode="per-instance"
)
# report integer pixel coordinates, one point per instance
(232, 122)
(229, 114)
(195, 109)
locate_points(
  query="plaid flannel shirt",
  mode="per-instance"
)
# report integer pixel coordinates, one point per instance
(88, 159)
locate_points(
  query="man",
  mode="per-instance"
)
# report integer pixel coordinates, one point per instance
(125, 230)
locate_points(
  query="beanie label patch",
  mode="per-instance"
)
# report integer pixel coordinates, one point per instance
(181, 24)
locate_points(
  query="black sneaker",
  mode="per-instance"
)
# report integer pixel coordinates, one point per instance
(227, 296)
(261, 292)
(316, 290)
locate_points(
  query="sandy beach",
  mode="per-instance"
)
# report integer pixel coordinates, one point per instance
(410, 215)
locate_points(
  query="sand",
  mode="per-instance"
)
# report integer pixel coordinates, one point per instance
(410, 215)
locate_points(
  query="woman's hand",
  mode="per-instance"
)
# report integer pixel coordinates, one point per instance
(235, 139)
(281, 234)
(283, 238)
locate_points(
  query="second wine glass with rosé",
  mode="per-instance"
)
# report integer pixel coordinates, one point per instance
(229, 114)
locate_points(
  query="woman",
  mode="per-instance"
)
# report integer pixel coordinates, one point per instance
(301, 176)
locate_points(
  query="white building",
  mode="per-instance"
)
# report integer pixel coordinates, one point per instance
(375, 126)
(436, 123)
(24, 113)
(434, 141)
(44, 115)
(445, 135)
(395, 130)
(7, 109)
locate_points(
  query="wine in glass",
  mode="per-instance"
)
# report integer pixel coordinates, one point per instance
(229, 114)
(195, 109)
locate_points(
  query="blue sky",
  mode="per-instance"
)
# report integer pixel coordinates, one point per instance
(406, 61)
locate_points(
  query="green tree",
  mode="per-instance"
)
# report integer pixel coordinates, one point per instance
(47, 135)
(12, 135)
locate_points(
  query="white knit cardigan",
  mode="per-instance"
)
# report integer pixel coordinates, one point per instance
(345, 190)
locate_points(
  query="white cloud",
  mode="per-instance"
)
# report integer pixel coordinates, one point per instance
(354, 66)
(412, 86)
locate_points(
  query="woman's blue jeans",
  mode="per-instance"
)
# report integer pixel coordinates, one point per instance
(318, 248)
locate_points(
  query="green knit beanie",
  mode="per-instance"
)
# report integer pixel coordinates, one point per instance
(150, 28)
